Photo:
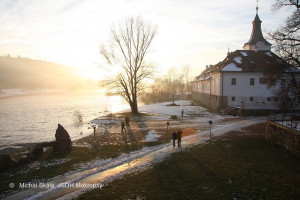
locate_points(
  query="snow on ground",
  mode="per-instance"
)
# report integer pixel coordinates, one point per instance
(151, 136)
(100, 172)
(161, 111)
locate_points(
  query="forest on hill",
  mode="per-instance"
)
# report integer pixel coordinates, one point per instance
(25, 73)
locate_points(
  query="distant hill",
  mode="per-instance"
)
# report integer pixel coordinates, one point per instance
(31, 74)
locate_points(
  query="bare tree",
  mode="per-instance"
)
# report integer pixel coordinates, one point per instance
(127, 49)
(287, 46)
(186, 72)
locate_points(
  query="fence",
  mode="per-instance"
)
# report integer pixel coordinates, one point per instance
(290, 120)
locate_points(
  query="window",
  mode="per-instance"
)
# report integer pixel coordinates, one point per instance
(233, 81)
(262, 80)
(276, 99)
(268, 98)
(232, 98)
(251, 98)
(252, 81)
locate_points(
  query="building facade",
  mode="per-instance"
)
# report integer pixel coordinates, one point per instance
(239, 81)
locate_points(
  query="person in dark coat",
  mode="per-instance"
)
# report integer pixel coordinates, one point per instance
(123, 127)
(179, 136)
(127, 120)
(174, 136)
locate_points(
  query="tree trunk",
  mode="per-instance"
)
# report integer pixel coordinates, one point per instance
(134, 108)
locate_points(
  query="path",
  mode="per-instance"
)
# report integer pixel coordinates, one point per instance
(70, 186)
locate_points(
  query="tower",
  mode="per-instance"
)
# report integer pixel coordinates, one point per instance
(257, 41)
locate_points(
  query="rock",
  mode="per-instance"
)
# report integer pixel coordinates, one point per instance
(37, 151)
(61, 133)
(63, 142)
(7, 162)
(26, 159)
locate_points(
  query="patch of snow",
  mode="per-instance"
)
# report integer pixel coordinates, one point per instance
(244, 53)
(151, 136)
(294, 125)
(54, 162)
(164, 109)
(103, 121)
(232, 67)
(238, 60)
(268, 54)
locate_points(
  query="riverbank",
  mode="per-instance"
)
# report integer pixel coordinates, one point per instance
(109, 147)
(151, 125)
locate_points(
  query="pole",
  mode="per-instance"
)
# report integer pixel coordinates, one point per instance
(210, 123)
(168, 123)
(210, 131)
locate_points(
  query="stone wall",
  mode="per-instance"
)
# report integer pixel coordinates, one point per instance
(283, 136)
(212, 102)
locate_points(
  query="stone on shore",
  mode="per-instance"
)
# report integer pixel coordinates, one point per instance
(26, 159)
(37, 151)
(7, 162)
(63, 142)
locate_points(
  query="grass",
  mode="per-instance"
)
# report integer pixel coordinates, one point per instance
(53, 164)
(241, 165)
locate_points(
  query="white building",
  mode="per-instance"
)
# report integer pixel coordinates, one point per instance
(238, 81)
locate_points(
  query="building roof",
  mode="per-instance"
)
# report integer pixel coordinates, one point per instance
(245, 61)
(256, 34)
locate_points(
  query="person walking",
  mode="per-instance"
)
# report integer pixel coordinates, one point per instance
(127, 120)
(182, 113)
(179, 136)
(174, 136)
(123, 126)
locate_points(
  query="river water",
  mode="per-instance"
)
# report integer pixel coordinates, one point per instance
(32, 116)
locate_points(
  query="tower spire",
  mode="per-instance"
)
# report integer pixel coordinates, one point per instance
(257, 40)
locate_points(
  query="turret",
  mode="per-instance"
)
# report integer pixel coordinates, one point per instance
(257, 41)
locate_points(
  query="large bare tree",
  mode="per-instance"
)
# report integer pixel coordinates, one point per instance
(126, 50)
(287, 46)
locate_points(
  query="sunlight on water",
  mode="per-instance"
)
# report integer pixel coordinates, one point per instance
(27, 117)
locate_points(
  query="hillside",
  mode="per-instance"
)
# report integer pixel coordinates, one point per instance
(31, 74)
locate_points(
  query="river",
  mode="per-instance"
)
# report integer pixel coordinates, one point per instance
(32, 116)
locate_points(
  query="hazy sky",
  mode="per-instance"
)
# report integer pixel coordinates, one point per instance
(69, 32)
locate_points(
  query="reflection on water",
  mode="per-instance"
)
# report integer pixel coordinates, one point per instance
(34, 117)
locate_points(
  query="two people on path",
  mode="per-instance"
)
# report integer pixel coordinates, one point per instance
(177, 136)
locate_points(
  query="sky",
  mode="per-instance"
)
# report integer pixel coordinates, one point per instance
(190, 32)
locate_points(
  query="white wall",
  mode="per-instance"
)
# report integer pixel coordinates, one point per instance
(242, 91)
(212, 85)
